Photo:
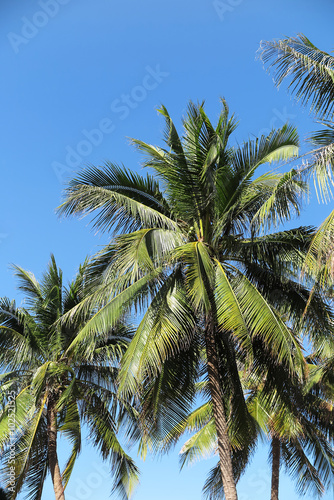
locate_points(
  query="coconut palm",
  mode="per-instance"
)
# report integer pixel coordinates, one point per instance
(310, 73)
(46, 390)
(196, 257)
(297, 424)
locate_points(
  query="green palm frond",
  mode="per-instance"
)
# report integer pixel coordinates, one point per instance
(213, 487)
(28, 284)
(102, 432)
(167, 327)
(15, 350)
(28, 461)
(320, 167)
(199, 272)
(279, 145)
(283, 203)
(302, 469)
(71, 429)
(108, 315)
(191, 421)
(23, 400)
(142, 251)
(123, 206)
(229, 313)
(264, 323)
(202, 444)
(310, 71)
(168, 399)
(319, 260)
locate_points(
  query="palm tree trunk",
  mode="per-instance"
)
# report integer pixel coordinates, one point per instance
(275, 465)
(224, 447)
(52, 451)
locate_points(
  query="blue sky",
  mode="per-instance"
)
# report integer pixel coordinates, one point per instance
(78, 79)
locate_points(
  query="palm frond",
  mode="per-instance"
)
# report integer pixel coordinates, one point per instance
(28, 284)
(284, 201)
(263, 322)
(71, 429)
(114, 193)
(108, 315)
(319, 261)
(201, 445)
(102, 431)
(166, 328)
(310, 71)
(199, 272)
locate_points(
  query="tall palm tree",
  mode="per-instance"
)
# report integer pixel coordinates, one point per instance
(309, 72)
(299, 429)
(195, 255)
(301, 434)
(47, 389)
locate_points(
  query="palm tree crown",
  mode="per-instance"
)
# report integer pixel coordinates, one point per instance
(196, 255)
(55, 390)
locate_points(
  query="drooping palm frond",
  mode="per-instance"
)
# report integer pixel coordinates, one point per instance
(283, 203)
(102, 429)
(319, 168)
(310, 71)
(168, 399)
(319, 260)
(125, 200)
(199, 272)
(245, 159)
(30, 451)
(300, 467)
(321, 164)
(71, 429)
(140, 252)
(264, 323)
(201, 445)
(167, 327)
(28, 284)
(213, 487)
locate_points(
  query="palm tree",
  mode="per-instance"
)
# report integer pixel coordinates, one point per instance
(47, 389)
(301, 434)
(310, 73)
(298, 425)
(195, 255)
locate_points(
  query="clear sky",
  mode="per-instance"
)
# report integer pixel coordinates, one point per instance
(78, 77)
